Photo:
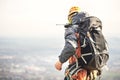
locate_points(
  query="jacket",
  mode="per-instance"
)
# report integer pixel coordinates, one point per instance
(70, 43)
(70, 38)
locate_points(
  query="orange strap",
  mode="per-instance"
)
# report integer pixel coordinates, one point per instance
(78, 50)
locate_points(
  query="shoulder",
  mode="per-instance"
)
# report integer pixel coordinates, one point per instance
(72, 28)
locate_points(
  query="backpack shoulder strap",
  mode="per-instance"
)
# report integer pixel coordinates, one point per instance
(78, 50)
(91, 41)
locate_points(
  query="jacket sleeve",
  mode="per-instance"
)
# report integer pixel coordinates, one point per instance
(70, 44)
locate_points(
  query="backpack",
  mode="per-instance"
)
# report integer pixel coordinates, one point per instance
(94, 50)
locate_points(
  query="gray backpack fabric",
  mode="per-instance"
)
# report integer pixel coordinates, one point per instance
(94, 51)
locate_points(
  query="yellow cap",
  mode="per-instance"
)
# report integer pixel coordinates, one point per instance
(73, 10)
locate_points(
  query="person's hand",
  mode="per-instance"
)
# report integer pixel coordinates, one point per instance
(58, 65)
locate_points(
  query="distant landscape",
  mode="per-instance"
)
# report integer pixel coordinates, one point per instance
(33, 59)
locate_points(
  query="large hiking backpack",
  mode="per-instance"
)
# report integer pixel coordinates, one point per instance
(94, 51)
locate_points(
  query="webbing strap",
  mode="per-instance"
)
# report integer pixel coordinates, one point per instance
(76, 60)
(84, 43)
(86, 54)
(92, 42)
(78, 50)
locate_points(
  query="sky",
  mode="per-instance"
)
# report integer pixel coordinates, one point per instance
(38, 18)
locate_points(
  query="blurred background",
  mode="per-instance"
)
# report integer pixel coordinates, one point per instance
(30, 40)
